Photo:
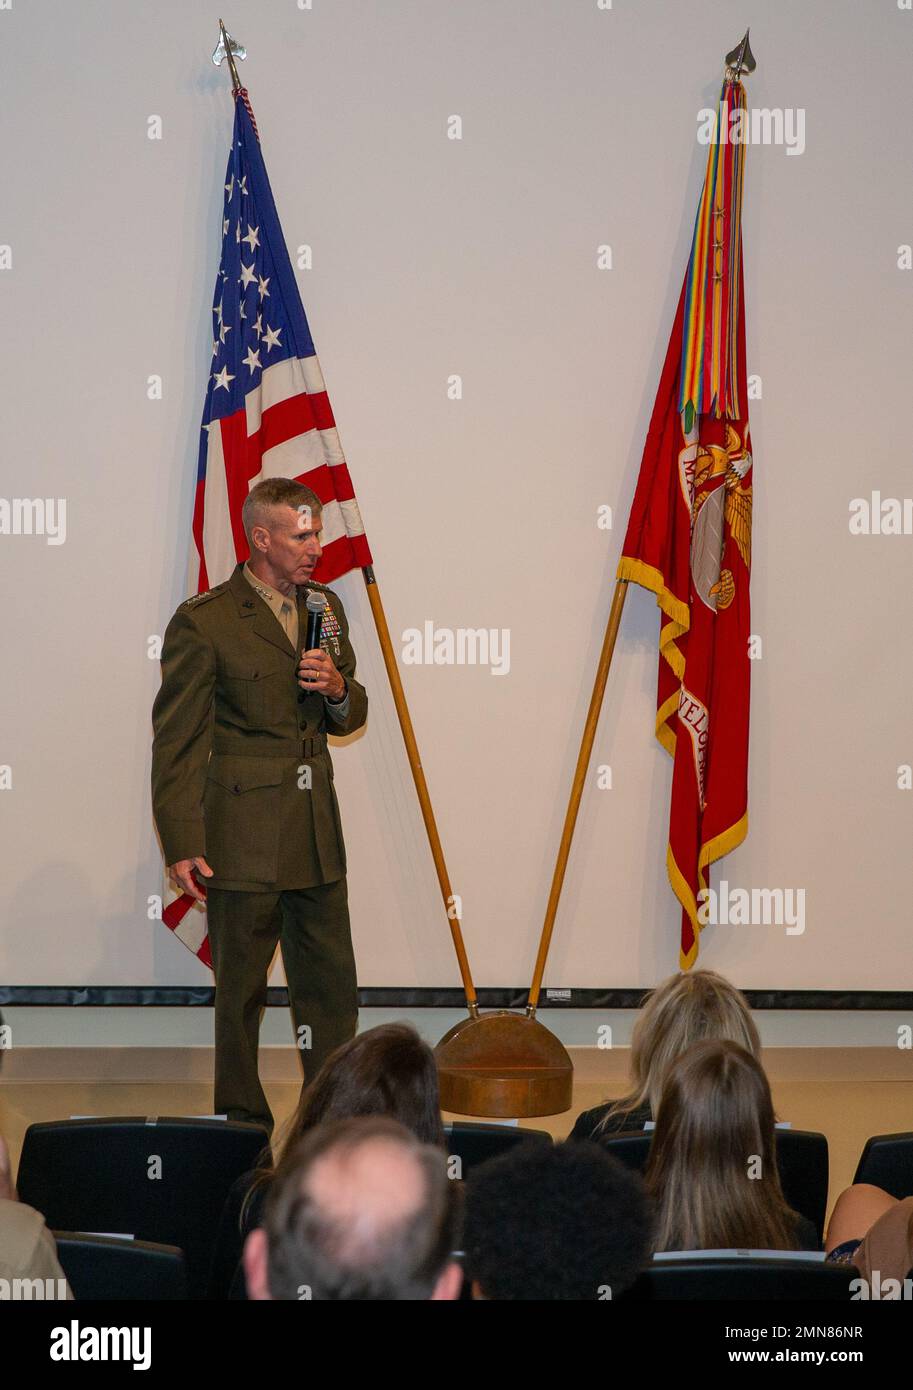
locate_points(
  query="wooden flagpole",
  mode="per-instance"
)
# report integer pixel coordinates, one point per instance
(580, 772)
(421, 786)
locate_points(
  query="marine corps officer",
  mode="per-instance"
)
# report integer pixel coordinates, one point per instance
(242, 789)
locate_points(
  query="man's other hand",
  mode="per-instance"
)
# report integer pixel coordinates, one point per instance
(182, 875)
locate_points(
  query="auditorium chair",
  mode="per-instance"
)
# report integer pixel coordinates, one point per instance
(746, 1278)
(474, 1143)
(887, 1161)
(802, 1161)
(162, 1180)
(101, 1268)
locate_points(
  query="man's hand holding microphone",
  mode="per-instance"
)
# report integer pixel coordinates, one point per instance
(316, 672)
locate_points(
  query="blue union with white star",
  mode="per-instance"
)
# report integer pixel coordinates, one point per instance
(257, 314)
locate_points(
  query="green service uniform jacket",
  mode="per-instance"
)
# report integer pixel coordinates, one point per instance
(234, 734)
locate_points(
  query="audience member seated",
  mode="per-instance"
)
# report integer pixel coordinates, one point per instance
(386, 1070)
(559, 1221)
(681, 1011)
(873, 1231)
(360, 1211)
(712, 1169)
(27, 1248)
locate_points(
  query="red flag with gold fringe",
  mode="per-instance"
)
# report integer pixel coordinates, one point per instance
(689, 536)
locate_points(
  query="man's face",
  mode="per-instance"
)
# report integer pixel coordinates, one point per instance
(291, 542)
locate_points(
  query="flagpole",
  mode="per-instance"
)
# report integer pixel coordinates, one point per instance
(740, 60)
(580, 773)
(421, 786)
(227, 48)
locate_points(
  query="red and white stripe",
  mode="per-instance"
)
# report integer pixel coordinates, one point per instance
(286, 430)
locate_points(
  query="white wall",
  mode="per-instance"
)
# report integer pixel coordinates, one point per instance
(475, 257)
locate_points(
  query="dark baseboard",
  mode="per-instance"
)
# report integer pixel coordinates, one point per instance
(392, 997)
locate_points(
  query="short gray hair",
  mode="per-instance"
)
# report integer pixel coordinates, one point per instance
(276, 492)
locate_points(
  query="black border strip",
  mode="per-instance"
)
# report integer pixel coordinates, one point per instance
(384, 997)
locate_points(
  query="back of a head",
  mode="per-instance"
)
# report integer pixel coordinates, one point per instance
(712, 1168)
(386, 1070)
(683, 1010)
(556, 1221)
(361, 1211)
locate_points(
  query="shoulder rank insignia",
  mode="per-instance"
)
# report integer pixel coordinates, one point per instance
(196, 599)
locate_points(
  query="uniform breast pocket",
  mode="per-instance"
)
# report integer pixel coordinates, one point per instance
(259, 693)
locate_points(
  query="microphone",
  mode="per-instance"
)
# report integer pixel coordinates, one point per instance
(315, 606)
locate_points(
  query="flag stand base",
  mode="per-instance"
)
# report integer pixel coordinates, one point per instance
(504, 1065)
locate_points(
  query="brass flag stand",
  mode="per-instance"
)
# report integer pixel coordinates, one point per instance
(508, 1064)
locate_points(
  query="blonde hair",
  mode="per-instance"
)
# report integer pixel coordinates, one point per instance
(682, 1010)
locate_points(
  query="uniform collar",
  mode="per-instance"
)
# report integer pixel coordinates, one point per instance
(271, 597)
(255, 605)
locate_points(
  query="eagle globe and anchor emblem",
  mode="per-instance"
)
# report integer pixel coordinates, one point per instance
(714, 505)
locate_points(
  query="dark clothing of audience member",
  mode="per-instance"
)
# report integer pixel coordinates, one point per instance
(589, 1124)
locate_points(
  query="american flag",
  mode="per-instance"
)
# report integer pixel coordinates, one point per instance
(267, 413)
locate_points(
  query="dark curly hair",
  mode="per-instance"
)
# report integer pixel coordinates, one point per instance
(556, 1221)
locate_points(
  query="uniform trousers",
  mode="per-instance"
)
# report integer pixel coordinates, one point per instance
(311, 926)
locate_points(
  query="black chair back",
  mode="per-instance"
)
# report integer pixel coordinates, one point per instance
(887, 1161)
(804, 1167)
(98, 1268)
(802, 1162)
(631, 1147)
(161, 1180)
(474, 1143)
(743, 1279)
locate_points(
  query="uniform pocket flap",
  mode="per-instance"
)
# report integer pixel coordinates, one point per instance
(236, 670)
(239, 774)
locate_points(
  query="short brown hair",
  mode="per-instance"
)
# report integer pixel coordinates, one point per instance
(276, 492)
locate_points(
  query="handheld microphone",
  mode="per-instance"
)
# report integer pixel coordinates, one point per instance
(315, 607)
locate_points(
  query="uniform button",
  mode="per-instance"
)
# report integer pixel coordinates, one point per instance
(301, 697)
(237, 789)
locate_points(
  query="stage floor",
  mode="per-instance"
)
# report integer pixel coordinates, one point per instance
(846, 1093)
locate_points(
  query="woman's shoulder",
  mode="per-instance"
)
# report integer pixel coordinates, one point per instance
(594, 1124)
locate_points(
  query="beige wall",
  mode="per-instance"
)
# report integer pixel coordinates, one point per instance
(477, 257)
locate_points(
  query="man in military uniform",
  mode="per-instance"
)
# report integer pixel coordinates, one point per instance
(242, 789)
